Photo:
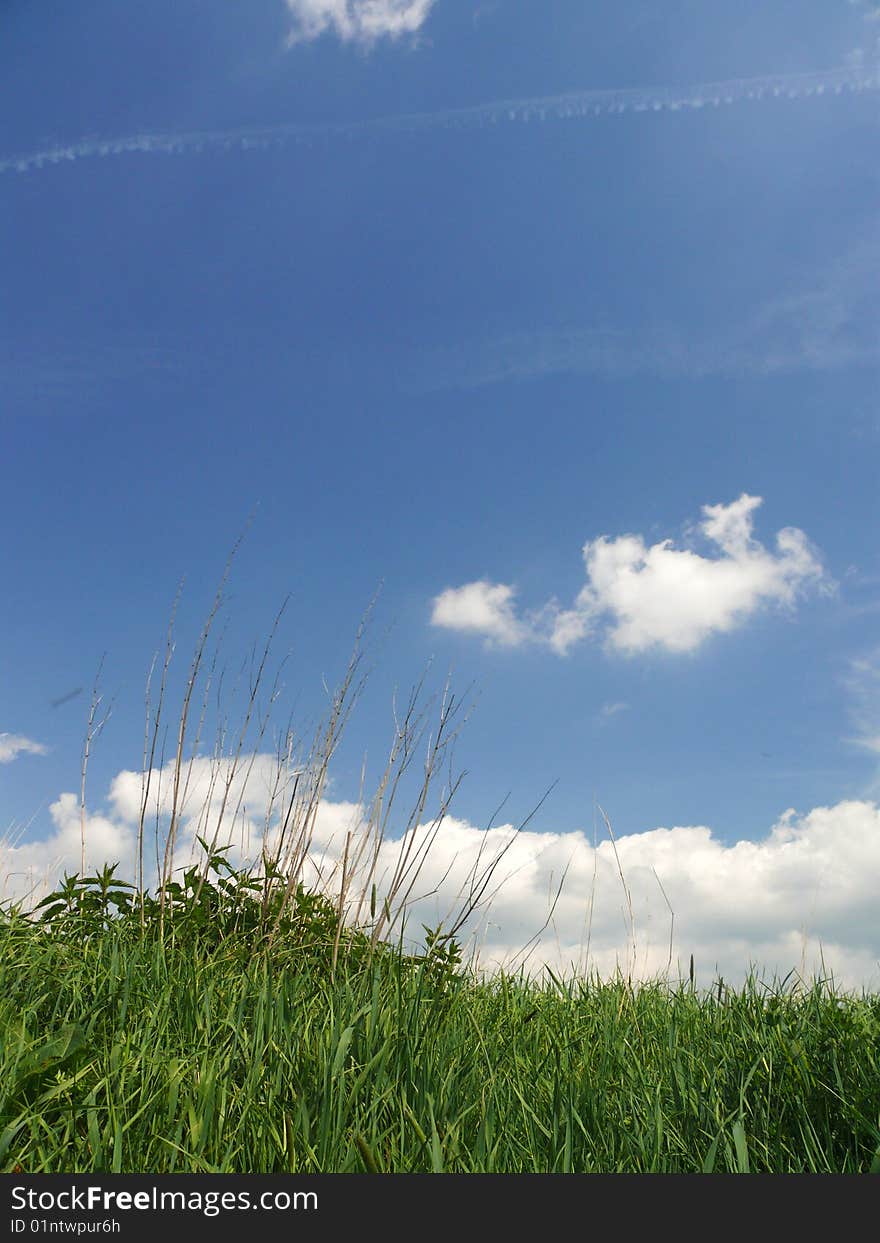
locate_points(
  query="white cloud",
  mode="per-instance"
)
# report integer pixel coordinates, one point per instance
(13, 745)
(806, 889)
(481, 608)
(800, 898)
(362, 21)
(225, 803)
(652, 597)
(32, 867)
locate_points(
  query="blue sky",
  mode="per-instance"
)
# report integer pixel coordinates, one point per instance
(559, 321)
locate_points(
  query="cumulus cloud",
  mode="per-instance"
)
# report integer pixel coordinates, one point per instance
(362, 21)
(13, 745)
(801, 897)
(643, 597)
(481, 608)
(803, 894)
(29, 869)
(229, 804)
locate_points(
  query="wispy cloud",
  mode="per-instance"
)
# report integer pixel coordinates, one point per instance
(862, 681)
(832, 320)
(44, 377)
(575, 106)
(828, 321)
(869, 10)
(638, 598)
(14, 745)
(612, 709)
(485, 10)
(801, 896)
(357, 21)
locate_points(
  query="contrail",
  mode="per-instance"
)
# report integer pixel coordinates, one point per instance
(574, 105)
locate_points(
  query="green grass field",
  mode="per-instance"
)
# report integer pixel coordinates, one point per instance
(213, 1048)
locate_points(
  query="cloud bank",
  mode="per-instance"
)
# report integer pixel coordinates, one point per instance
(357, 21)
(800, 897)
(639, 598)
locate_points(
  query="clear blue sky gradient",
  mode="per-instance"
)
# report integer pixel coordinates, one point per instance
(437, 357)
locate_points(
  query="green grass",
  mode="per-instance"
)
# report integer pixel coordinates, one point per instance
(206, 1050)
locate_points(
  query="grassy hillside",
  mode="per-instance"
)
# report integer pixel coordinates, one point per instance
(223, 1043)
